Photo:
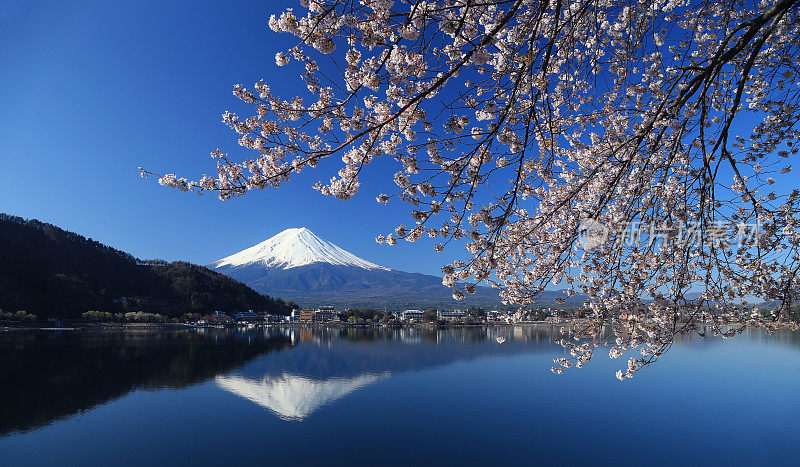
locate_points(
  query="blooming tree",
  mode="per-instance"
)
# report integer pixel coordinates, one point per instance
(665, 126)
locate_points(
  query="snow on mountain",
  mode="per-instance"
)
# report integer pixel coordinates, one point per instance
(293, 397)
(293, 248)
(299, 266)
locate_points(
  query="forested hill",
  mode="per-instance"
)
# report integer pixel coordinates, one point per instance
(51, 272)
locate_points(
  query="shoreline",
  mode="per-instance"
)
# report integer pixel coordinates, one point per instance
(179, 326)
(96, 326)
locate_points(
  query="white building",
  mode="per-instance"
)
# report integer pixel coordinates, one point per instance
(411, 315)
(324, 314)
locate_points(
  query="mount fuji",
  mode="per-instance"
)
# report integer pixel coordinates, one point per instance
(298, 265)
(294, 248)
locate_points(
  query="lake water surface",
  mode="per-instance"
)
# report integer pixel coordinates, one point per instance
(382, 396)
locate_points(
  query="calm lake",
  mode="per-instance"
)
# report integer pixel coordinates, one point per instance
(379, 396)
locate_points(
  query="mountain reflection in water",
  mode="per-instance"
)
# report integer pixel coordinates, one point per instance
(52, 376)
(293, 397)
(57, 375)
(344, 396)
(339, 361)
(293, 385)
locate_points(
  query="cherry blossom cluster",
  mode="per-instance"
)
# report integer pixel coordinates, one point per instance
(512, 121)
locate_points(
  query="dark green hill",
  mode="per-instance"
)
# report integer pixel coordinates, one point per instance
(51, 272)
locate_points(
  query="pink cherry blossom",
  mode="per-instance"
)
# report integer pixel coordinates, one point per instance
(515, 121)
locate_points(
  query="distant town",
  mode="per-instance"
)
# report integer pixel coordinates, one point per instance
(471, 316)
(330, 315)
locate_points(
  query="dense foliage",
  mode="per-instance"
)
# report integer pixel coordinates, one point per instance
(51, 272)
(365, 315)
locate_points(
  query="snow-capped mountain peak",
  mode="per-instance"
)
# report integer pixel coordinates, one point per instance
(293, 248)
(294, 397)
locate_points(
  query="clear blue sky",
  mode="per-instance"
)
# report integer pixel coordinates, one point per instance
(91, 90)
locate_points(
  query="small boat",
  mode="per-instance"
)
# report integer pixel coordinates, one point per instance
(501, 339)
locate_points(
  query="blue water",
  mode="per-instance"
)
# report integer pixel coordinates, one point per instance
(314, 396)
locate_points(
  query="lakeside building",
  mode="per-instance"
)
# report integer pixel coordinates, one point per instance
(493, 316)
(411, 315)
(324, 314)
(269, 318)
(249, 316)
(303, 316)
(452, 315)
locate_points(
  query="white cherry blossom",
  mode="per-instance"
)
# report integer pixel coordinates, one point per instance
(514, 121)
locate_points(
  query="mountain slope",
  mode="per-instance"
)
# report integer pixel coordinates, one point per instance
(293, 248)
(298, 265)
(55, 273)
